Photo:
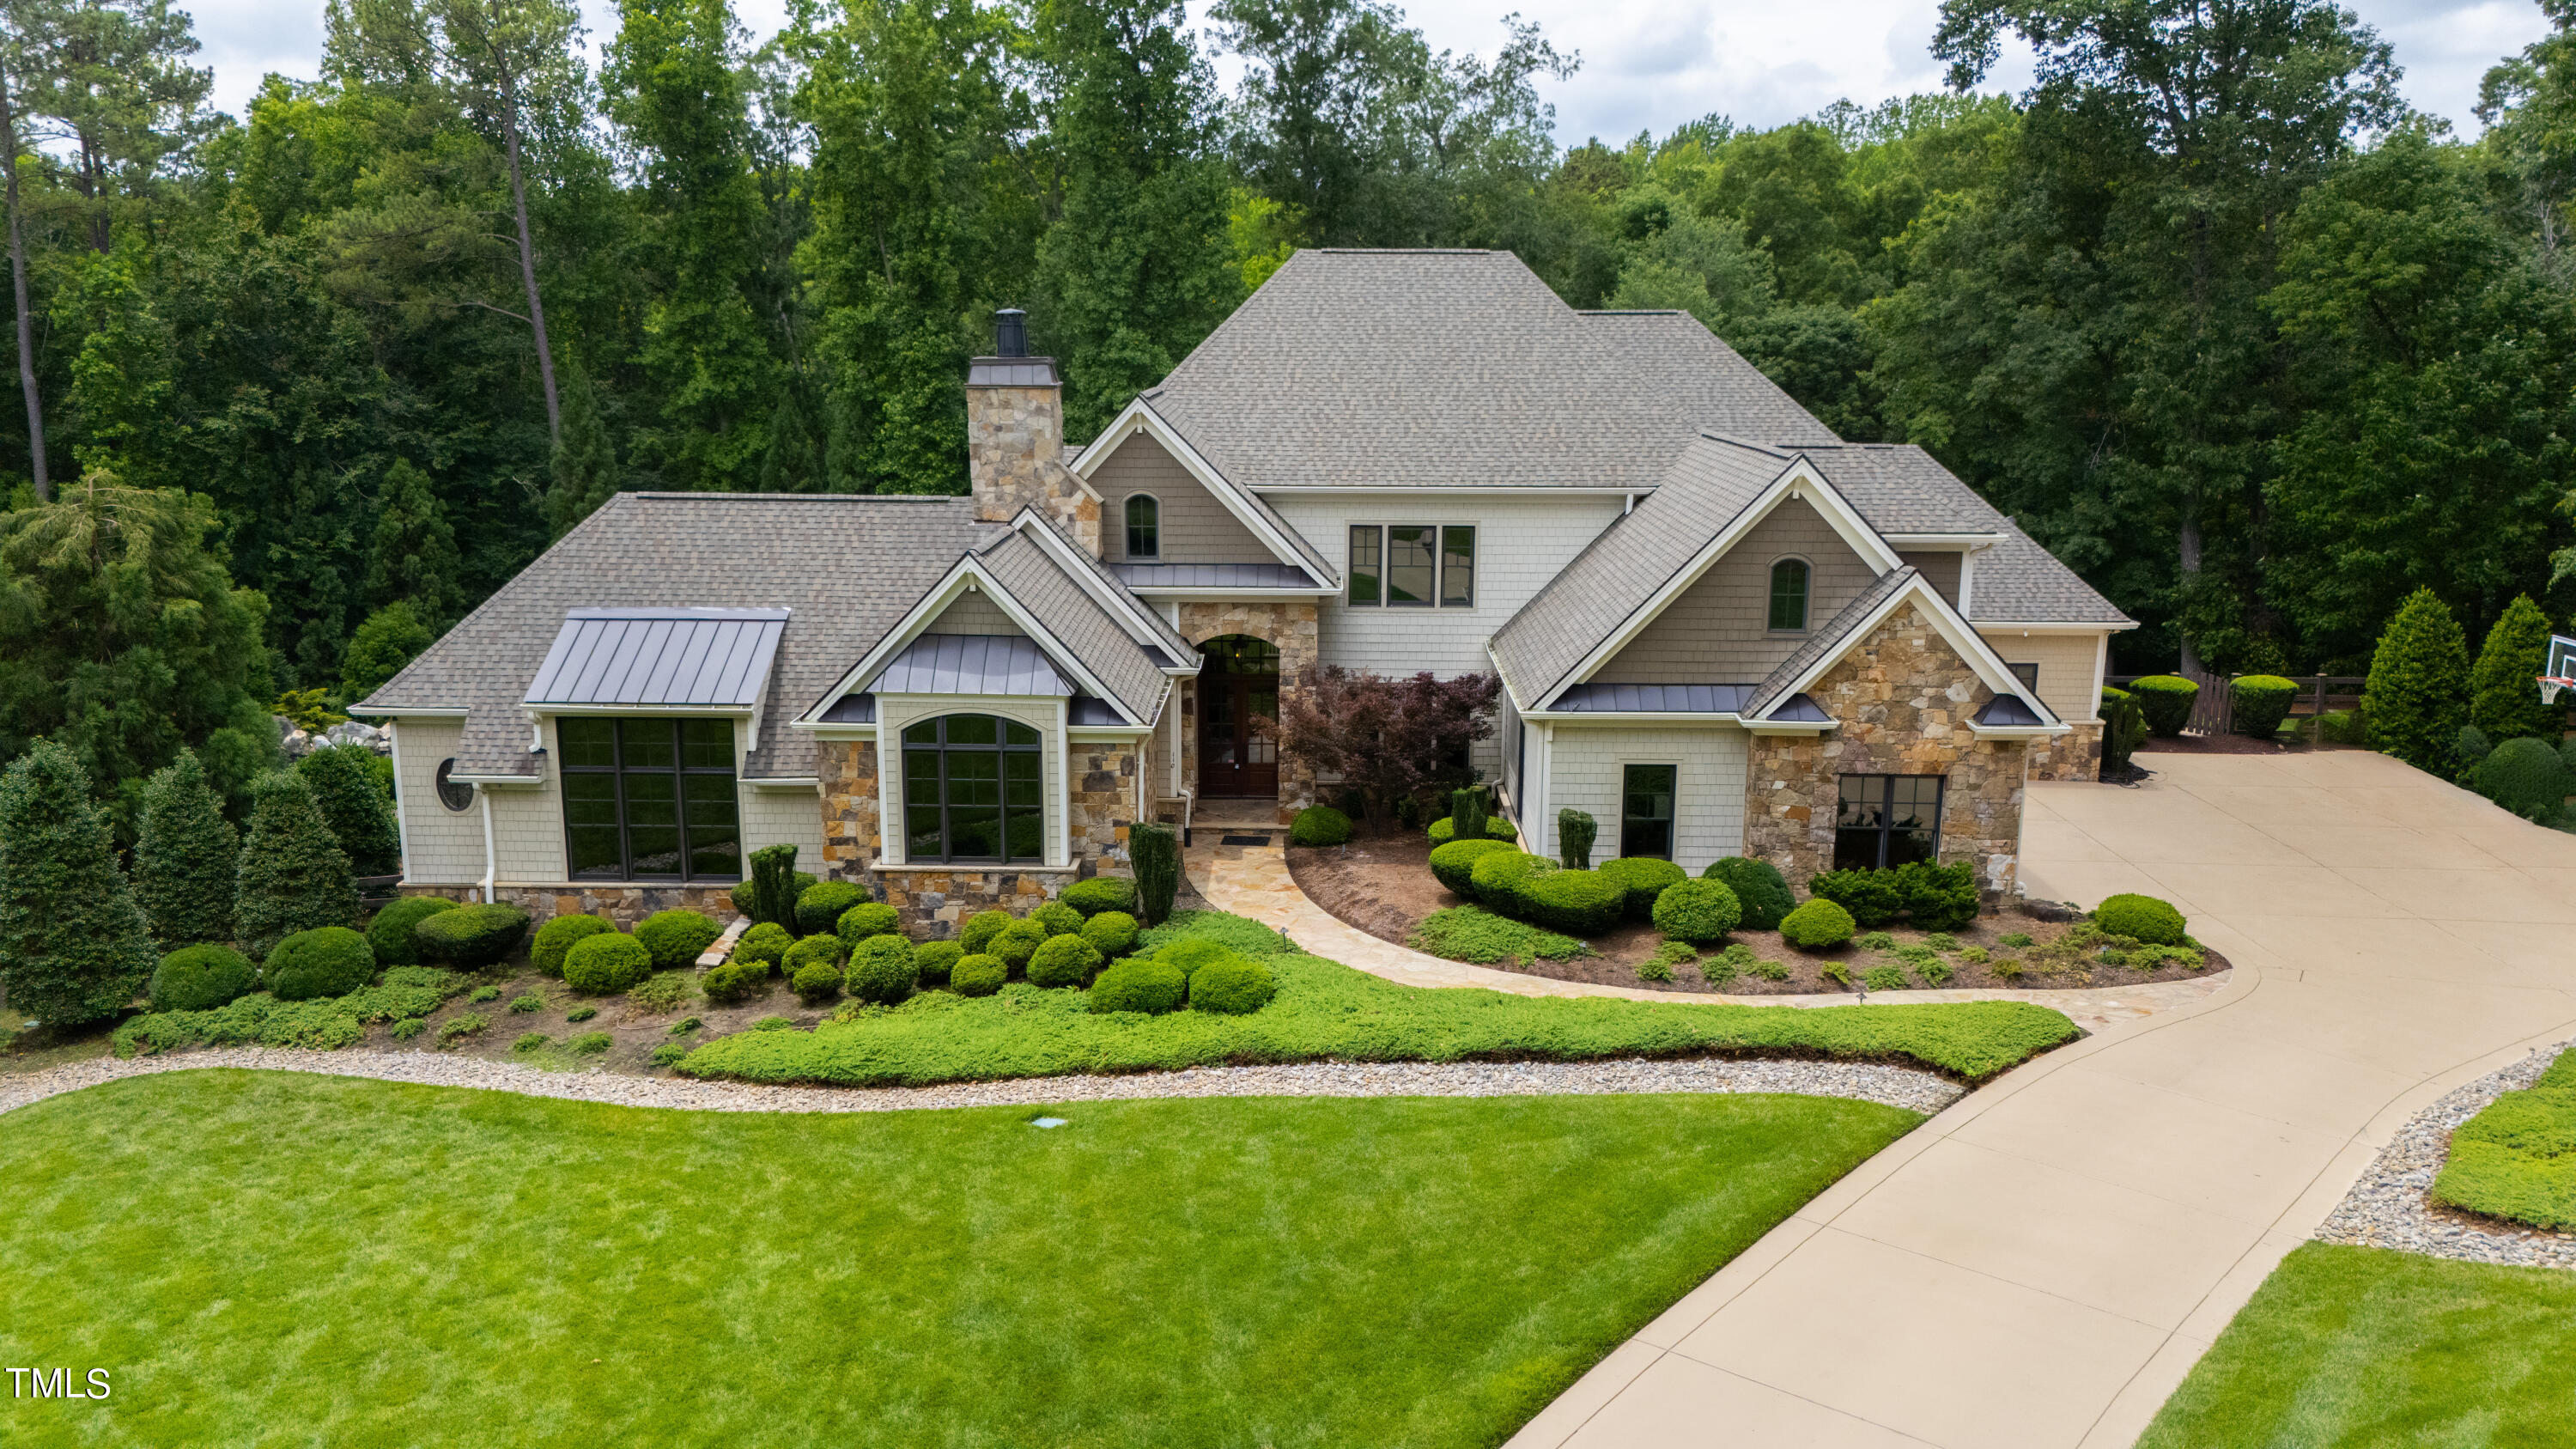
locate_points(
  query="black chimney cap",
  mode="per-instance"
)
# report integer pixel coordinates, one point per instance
(1011, 332)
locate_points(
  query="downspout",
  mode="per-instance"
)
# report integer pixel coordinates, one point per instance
(485, 795)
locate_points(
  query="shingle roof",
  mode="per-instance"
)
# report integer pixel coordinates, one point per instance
(1103, 645)
(1900, 488)
(1369, 369)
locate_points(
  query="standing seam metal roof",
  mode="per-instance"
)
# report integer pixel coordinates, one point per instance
(693, 657)
(970, 664)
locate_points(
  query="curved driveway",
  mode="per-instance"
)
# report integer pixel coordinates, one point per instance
(2041, 1264)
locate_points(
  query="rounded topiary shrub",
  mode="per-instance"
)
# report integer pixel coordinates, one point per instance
(556, 937)
(1497, 879)
(605, 965)
(1577, 902)
(1102, 893)
(2166, 700)
(1455, 863)
(1063, 961)
(867, 918)
(2524, 776)
(470, 938)
(201, 978)
(1189, 954)
(1236, 986)
(2257, 703)
(1111, 933)
(1759, 888)
(1645, 878)
(1058, 918)
(389, 934)
(882, 970)
(819, 907)
(978, 975)
(765, 944)
(1017, 943)
(677, 938)
(1444, 830)
(808, 951)
(1697, 911)
(932, 961)
(1819, 925)
(731, 982)
(2142, 918)
(1319, 825)
(326, 961)
(817, 983)
(1136, 984)
(980, 929)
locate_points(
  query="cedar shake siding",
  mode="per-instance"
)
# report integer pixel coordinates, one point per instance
(1196, 528)
(1717, 631)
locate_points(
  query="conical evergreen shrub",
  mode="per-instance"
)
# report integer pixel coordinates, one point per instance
(353, 805)
(73, 945)
(184, 853)
(2504, 689)
(2417, 696)
(294, 876)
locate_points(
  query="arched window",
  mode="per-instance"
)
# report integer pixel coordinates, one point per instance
(1789, 594)
(973, 790)
(1144, 526)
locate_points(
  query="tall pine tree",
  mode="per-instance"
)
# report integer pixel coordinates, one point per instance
(585, 462)
(184, 857)
(73, 945)
(293, 876)
(414, 559)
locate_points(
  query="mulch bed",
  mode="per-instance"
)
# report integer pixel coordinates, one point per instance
(1384, 886)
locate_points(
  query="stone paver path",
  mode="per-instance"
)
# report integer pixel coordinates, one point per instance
(2041, 1264)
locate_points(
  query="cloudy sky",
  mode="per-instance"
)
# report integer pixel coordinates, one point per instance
(1647, 64)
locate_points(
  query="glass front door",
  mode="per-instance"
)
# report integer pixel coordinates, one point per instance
(1238, 683)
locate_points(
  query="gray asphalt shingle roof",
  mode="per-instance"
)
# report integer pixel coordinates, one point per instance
(1102, 644)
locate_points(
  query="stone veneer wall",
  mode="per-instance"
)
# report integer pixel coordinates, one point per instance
(1292, 624)
(1903, 698)
(1015, 460)
(1102, 792)
(2076, 756)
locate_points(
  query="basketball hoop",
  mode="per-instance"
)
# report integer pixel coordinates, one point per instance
(2562, 668)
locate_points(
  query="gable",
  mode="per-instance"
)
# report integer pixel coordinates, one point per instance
(973, 612)
(1196, 528)
(1717, 631)
(1940, 569)
(1905, 664)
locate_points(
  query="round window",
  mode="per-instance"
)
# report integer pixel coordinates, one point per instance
(453, 795)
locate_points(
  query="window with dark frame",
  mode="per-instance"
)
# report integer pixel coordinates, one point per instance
(650, 799)
(1646, 810)
(1884, 821)
(973, 790)
(1789, 594)
(1144, 526)
(1367, 561)
(2028, 674)
(1413, 565)
(1457, 566)
(456, 795)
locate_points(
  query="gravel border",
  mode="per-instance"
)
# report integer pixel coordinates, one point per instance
(2389, 1207)
(1894, 1086)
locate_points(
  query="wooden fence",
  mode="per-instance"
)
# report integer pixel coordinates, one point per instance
(2212, 711)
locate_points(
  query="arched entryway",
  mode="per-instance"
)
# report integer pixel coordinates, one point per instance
(1238, 680)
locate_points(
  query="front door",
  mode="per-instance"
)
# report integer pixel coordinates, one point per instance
(1238, 682)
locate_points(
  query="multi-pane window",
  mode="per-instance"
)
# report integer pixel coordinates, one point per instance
(1646, 811)
(2028, 674)
(1144, 526)
(650, 799)
(1887, 820)
(973, 790)
(1413, 564)
(1789, 594)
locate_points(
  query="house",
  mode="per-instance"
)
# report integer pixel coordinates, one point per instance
(1719, 628)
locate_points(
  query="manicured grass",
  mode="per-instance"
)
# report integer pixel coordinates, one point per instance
(1326, 1010)
(267, 1258)
(2365, 1348)
(2516, 1159)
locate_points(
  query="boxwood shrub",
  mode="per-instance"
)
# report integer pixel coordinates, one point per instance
(1016, 943)
(470, 938)
(819, 906)
(978, 975)
(1444, 830)
(201, 978)
(1143, 984)
(557, 936)
(1698, 911)
(1577, 902)
(1319, 825)
(1063, 961)
(389, 934)
(1819, 925)
(818, 982)
(1058, 918)
(325, 961)
(1937, 897)
(1497, 878)
(2142, 918)
(605, 965)
(822, 948)
(867, 918)
(1758, 888)
(1455, 863)
(980, 929)
(765, 944)
(1645, 878)
(1235, 986)
(1111, 933)
(735, 980)
(2166, 699)
(933, 960)
(2257, 703)
(1869, 896)
(2525, 776)
(1101, 893)
(677, 938)
(882, 970)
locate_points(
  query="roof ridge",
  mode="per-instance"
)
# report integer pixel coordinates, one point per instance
(807, 497)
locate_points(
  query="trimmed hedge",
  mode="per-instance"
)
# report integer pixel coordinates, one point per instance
(1063, 961)
(1759, 888)
(555, 938)
(1058, 918)
(736, 980)
(1819, 925)
(1235, 986)
(604, 965)
(470, 938)
(2142, 918)
(868, 918)
(1575, 832)
(2527, 777)
(1455, 863)
(1578, 902)
(1111, 933)
(1138, 984)
(932, 961)
(765, 943)
(325, 961)
(1101, 893)
(882, 970)
(819, 907)
(817, 983)
(1869, 895)
(1698, 911)
(1938, 897)
(2257, 703)
(2124, 728)
(981, 928)
(1155, 853)
(1445, 830)
(677, 938)
(1017, 943)
(978, 975)
(2166, 699)
(1645, 879)
(1319, 826)
(389, 934)
(201, 978)
(817, 949)
(1497, 879)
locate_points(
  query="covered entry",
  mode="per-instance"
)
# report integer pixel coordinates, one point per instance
(1238, 681)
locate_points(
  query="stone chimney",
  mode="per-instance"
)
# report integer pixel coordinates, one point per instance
(1015, 438)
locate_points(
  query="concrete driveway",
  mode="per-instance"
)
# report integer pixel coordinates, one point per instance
(2041, 1264)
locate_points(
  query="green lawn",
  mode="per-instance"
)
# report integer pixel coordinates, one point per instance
(273, 1259)
(2368, 1348)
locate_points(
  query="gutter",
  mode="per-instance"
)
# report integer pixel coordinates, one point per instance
(488, 857)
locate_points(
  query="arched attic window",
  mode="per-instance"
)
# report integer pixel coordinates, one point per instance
(1144, 526)
(1789, 595)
